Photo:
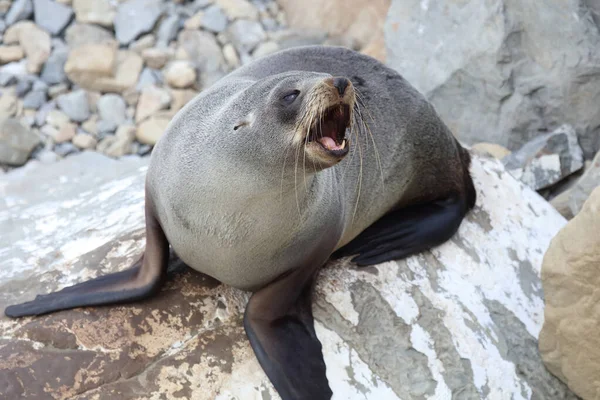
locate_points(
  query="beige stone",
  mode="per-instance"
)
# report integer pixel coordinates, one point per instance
(149, 131)
(194, 22)
(238, 9)
(34, 41)
(561, 203)
(143, 43)
(152, 99)
(57, 118)
(57, 90)
(100, 12)
(180, 74)
(156, 58)
(10, 54)
(181, 98)
(90, 126)
(569, 340)
(361, 21)
(101, 67)
(85, 141)
(230, 55)
(495, 150)
(264, 49)
(9, 105)
(119, 144)
(66, 133)
(131, 96)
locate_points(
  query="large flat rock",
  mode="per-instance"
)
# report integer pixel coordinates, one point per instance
(460, 321)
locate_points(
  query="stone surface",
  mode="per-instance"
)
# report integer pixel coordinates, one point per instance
(152, 99)
(101, 12)
(457, 321)
(51, 16)
(546, 159)
(75, 105)
(205, 53)
(495, 150)
(213, 19)
(119, 144)
(81, 34)
(34, 41)
(180, 74)
(53, 70)
(167, 30)
(135, 17)
(150, 130)
(156, 58)
(57, 118)
(238, 9)
(101, 67)
(143, 43)
(569, 341)
(8, 105)
(111, 108)
(16, 142)
(34, 99)
(246, 35)
(264, 49)
(10, 54)
(590, 180)
(359, 21)
(501, 71)
(19, 10)
(84, 141)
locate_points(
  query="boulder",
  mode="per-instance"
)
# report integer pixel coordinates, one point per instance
(547, 159)
(502, 71)
(569, 341)
(458, 321)
(590, 180)
(360, 22)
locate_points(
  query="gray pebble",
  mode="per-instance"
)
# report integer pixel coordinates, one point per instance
(246, 35)
(64, 149)
(51, 16)
(104, 127)
(167, 30)
(75, 105)
(20, 10)
(40, 116)
(23, 87)
(111, 110)
(34, 100)
(214, 19)
(135, 17)
(54, 68)
(46, 156)
(149, 77)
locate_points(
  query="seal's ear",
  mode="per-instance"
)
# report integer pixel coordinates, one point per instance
(280, 326)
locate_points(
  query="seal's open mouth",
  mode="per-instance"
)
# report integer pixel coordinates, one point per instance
(330, 130)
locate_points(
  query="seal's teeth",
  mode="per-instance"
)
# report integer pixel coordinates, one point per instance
(343, 145)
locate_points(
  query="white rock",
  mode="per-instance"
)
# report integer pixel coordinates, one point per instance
(101, 12)
(180, 74)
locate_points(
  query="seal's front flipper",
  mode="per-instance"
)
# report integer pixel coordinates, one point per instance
(140, 281)
(406, 231)
(279, 323)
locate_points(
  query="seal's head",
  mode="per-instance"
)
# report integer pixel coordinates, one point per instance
(300, 116)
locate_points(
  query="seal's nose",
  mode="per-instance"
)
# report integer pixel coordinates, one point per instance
(341, 84)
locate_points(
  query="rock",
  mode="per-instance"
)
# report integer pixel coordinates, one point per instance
(34, 41)
(561, 204)
(546, 159)
(580, 192)
(194, 22)
(84, 141)
(65, 149)
(42, 113)
(119, 144)
(460, 320)
(16, 143)
(100, 12)
(231, 56)
(205, 53)
(53, 71)
(150, 130)
(264, 49)
(9, 105)
(111, 108)
(90, 126)
(75, 105)
(506, 72)
(238, 9)
(104, 127)
(65, 133)
(11, 71)
(569, 340)
(156, 58)
(148, 77)
(51, 16)
(180, 74)
(10, 54)
(152, 99)
(143, 43)
(359, 21)
(167, 31)
(20, 10)
(135, 17)
(78, 34)
(47, 157)
(180, 98)
(23, 87)
(213, 19)
(246, 35)
(34, 99)
(495, 150)
(56, 118)
(103, 68)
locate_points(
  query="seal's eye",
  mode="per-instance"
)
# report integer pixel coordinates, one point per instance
(290, 97)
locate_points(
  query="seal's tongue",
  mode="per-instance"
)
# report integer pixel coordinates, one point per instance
(329, 143)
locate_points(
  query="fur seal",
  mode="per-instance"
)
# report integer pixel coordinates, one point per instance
(308, 153)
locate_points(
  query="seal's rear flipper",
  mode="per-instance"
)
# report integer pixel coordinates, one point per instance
(279, 323)
(406, 231)
(140, 281)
